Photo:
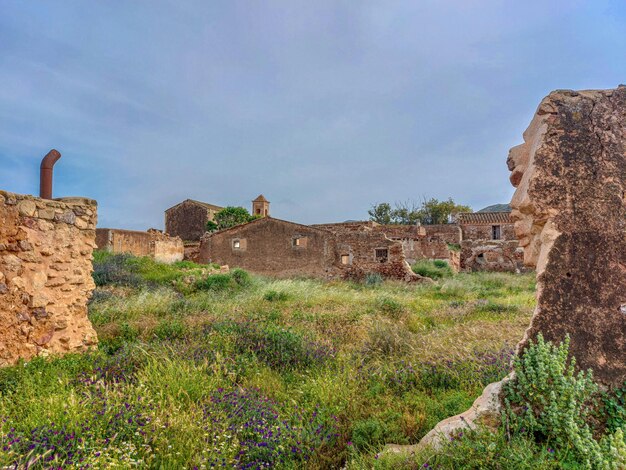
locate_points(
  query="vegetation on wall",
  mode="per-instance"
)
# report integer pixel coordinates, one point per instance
(229, 217)
(429, 212)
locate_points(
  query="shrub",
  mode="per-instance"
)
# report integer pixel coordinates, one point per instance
(278, 347)
(550, 402)
(275, 296)
(389, 307)
(614, 408)
(215, 282)
(170, 329)
(245, 429)
(241, 277)
(367, 433)
(437, 269)
(373, 279)
(114, 269)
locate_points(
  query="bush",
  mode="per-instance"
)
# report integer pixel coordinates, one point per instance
(114, 269)
(278, 347)
(373, 279)
(220, 282)
(241, 277)
(215, 282)
(275, 296)
(170, 329)
(436, 269)
(550, 402)
(389, 307)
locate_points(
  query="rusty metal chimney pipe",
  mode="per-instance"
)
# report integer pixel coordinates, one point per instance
(45, 175)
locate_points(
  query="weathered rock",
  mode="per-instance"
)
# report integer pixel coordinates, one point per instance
(570, 216)
(485, 411)
(41, 306)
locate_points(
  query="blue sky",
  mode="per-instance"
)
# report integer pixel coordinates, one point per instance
(324, 107)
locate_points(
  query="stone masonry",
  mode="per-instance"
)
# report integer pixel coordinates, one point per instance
(153, 243)
(45, 275)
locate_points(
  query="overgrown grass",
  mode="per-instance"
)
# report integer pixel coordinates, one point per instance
(436, 269)
(244, 370)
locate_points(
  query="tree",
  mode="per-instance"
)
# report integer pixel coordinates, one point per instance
(211, 226)
(381, 213)
(429, 212)
(434, 212)
(231, 216)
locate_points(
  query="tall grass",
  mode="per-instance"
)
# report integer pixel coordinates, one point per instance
(333, 370)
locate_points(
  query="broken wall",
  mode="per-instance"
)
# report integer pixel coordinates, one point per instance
(45, 275)
(153, 243)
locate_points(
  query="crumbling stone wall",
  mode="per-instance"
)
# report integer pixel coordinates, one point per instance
(449, 233)
(363, 251)
(492, 255)
(45, 275)
(268, 246)
(570, 216)
(152, 243)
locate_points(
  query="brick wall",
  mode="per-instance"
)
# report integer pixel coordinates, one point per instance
(45, 275)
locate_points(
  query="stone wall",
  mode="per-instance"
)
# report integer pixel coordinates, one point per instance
(280, 248)
(365, 253)
(449, 233)
(45, 275)
(492, 255)
(484, 231)
(188, 219)
(268, 246)
(152, 243)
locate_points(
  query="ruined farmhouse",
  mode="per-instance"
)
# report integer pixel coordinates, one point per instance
(476, 241)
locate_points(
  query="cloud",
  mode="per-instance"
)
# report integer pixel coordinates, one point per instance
(324, 107)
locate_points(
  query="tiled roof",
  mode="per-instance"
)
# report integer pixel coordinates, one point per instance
(467, 218)
(260, 198)
(496, 208)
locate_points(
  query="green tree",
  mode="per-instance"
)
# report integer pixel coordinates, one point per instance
(434, 211)
(430, 212)
(211, 226)
(381, 213)
(231, 216)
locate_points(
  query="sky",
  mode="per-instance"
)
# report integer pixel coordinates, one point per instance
(325, 107)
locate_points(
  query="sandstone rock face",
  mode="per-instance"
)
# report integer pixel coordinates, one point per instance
(45, 275)
(570, 217)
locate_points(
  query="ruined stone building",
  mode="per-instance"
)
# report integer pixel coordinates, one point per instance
(281, 248)
(153, 243)
(188, 219)
(488, 242)
(477, 241)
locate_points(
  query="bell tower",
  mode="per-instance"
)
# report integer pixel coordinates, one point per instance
(261, 206)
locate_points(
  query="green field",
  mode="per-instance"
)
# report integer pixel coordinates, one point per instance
(238, 371)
